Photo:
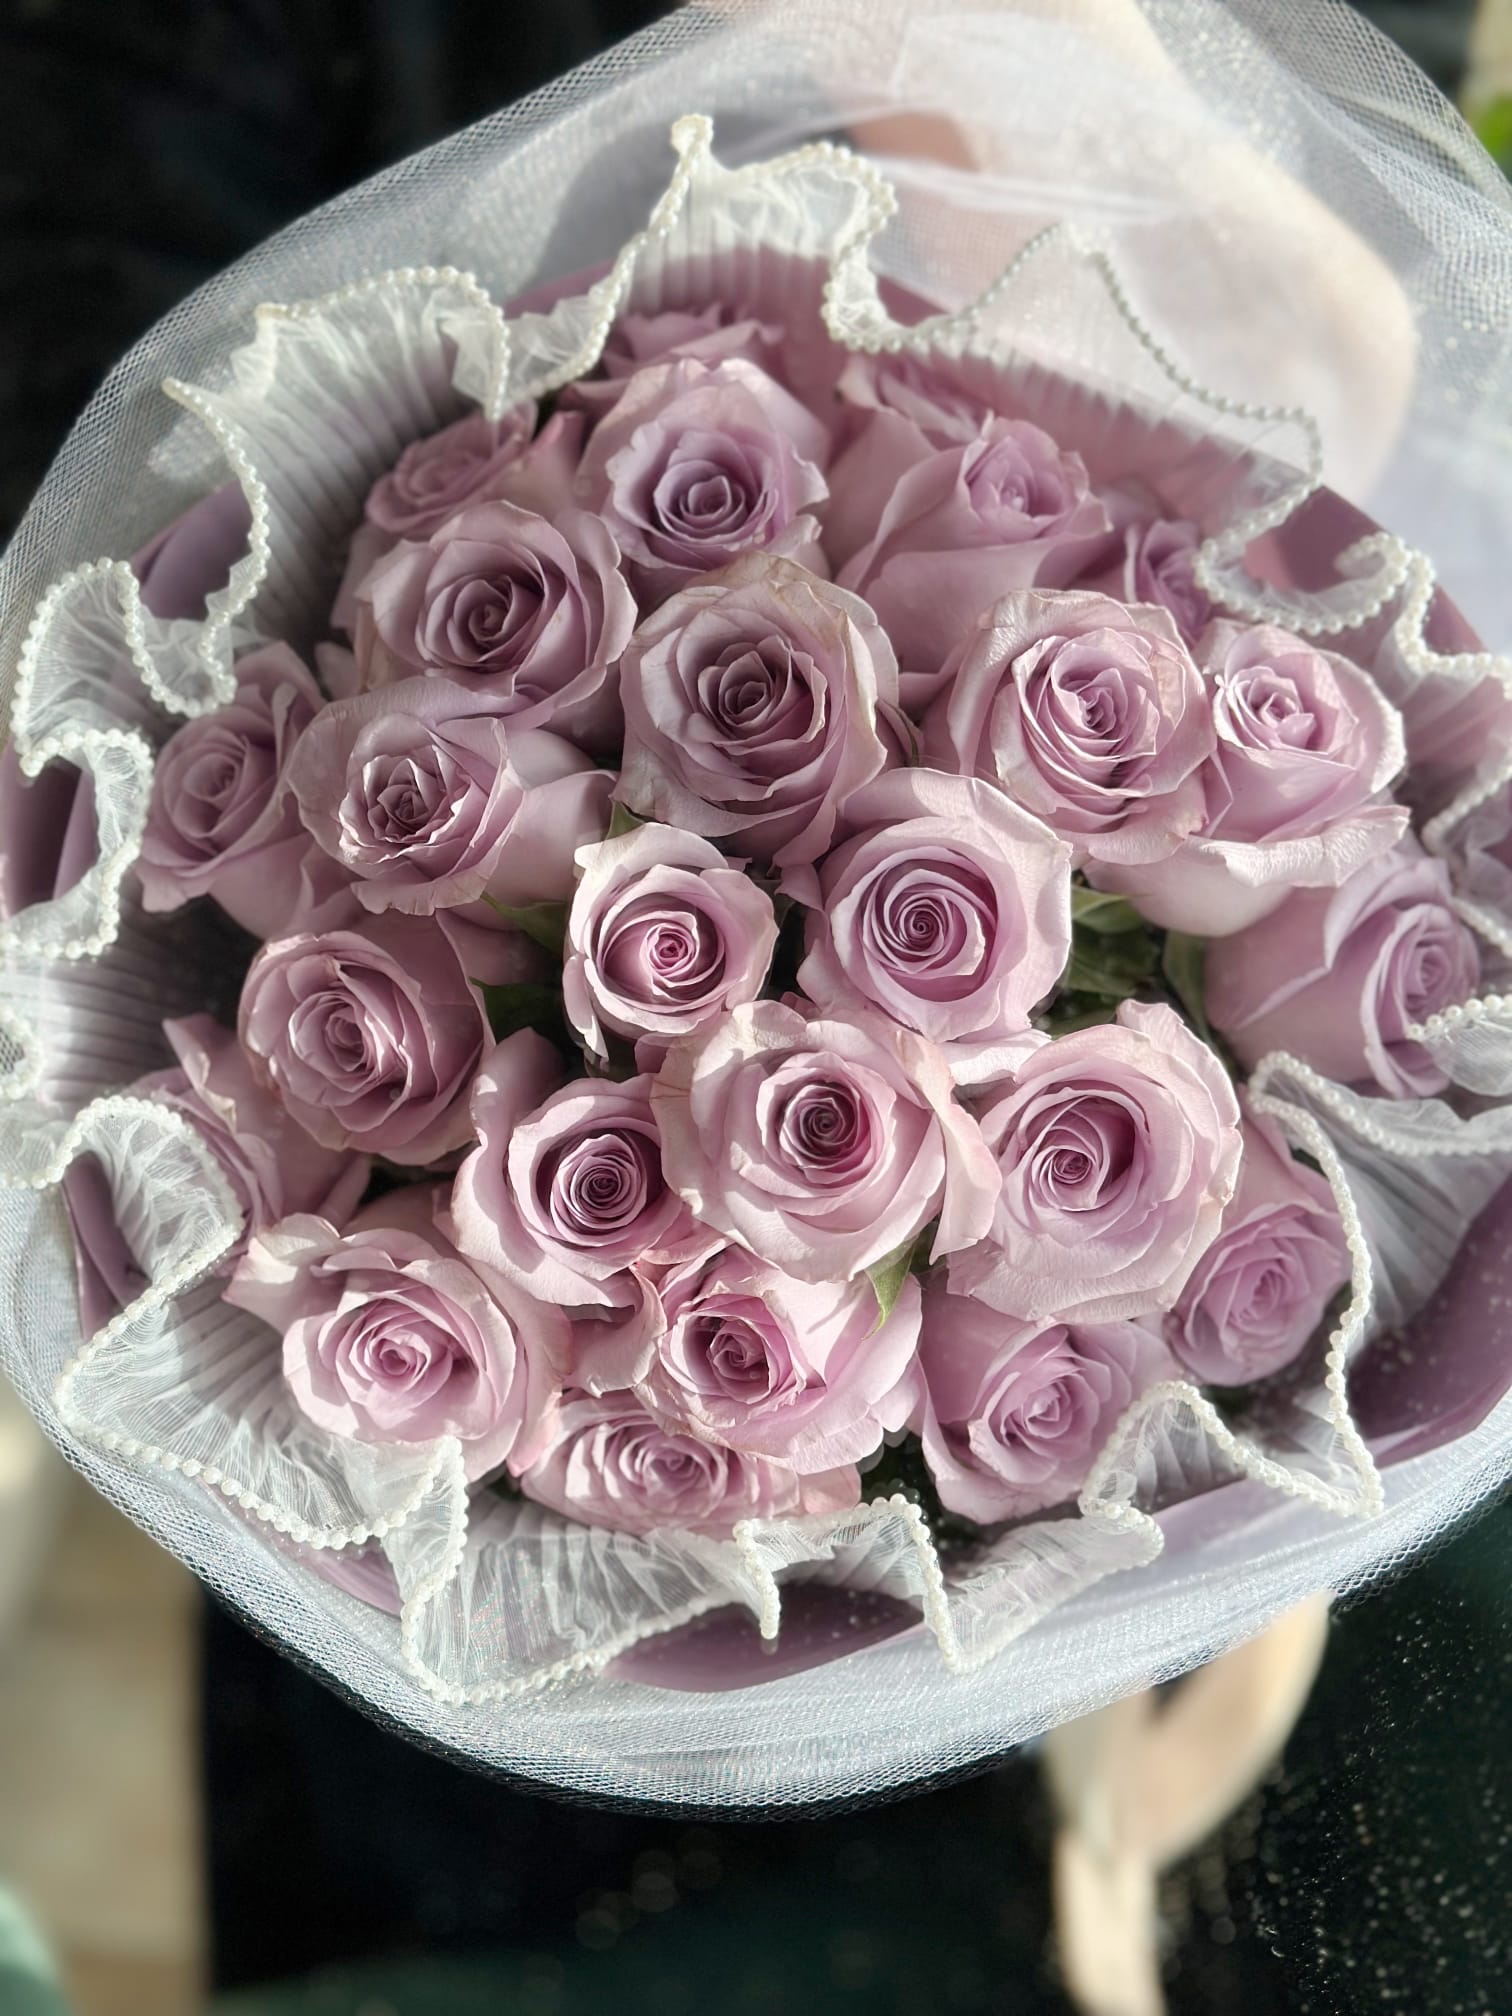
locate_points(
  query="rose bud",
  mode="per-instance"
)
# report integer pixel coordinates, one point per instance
(1091, 715)
(949, 909)
(1012, 1416)
(533, 614)
(800, 1372)
(1341, 977)
(822, 1146)
(1118, 1148)
(1261, 1289)
(389, 1335)
(370, 1036)
(564, 1193)
(1306, 748)
(699, 464)
(751, 709)
(663, 936)
(962, 527)
(222, 821)
(610, 1462)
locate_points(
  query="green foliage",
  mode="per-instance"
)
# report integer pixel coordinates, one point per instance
(546, 923)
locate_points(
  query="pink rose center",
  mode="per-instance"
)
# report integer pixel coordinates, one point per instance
(758, 693)
(826, 1130)
(599, 1184)
(1082, 1152)
(223, 788)
(932, 924)
(658, 951)
(1268, 709)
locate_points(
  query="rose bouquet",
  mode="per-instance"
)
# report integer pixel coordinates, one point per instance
(769, 937)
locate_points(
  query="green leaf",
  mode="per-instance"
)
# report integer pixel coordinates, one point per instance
(522, 1004)
(621, 821)
(546, 923)
(1070, 1012)
(1108, 916)
(1183, 964)
(1112, 968)
(888, 1274)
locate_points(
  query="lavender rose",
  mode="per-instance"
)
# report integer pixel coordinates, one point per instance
(1339, 977)
(1307, 747)
(222, 822)
(533, 613)
(926, 393)
(1155, 567)
(1012, 1416)
(473, 461)
(370, 1036)
(663, 936)
(1091, 715)
(949, 909)
(1261, 1288)
(564, 1193)
(698, 464)
(389, 1336)
(1119, 1150)
(751, 708)
(962, 527)
(822, 1146)
(799, 1372)
(612, 1463)
(431, 799)
(711, 335)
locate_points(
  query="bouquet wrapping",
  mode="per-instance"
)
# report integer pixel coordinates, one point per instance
(1088, 478)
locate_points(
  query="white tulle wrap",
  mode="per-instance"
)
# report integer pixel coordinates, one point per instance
(1134, 208)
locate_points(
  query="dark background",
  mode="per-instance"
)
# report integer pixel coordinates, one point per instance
(144, 144)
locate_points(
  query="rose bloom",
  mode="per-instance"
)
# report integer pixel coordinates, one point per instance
(822, 1146)
(1307, 747)
(389, 1335)
(1012, 1416)
(1338, 977)
(962, 527)
(699, 464)
(611, 1463)
(222, 822)
(925, 393)
(533, 613)
(564, 1193)
(949, 909)
(431, 799)
(273, 1166)
(751, 709)
(663, 935)
(800, 1372)
(1119, 1150)
(1154, 566)
(473, 461)
(710, 335)
(1091, 715)
(1261, 1289)
(370, 1036)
